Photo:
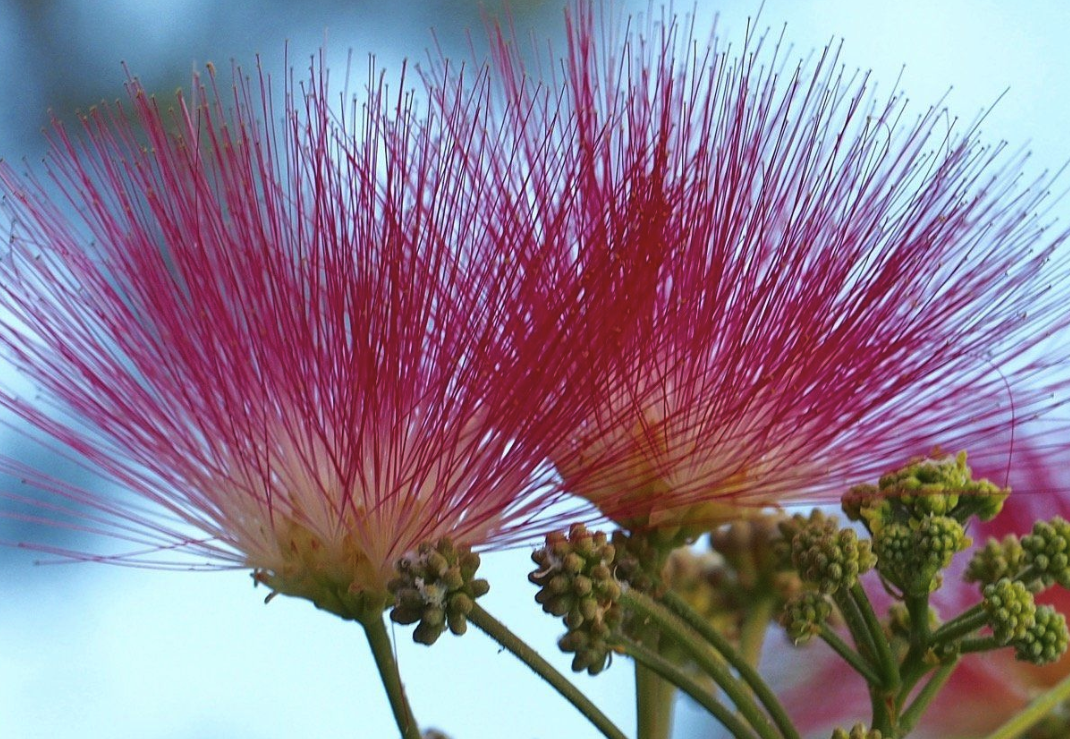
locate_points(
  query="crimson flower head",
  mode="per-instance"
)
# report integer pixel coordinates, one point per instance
(830, 284)
(287, 337)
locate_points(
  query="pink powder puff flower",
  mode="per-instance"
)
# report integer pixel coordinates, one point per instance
(302, 342)
(834, 285)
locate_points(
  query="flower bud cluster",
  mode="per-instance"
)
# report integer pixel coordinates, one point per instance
(917, 519)
(436, 588)
(575, 579)
(911, 556)
(996, 560)
(749, 548)
(824, 555)
(804, 615)
(640, 560)
(923, 489)
(1047, 551)
(1045, 640)
(858, 731)
(1010, 608)
(752, 571)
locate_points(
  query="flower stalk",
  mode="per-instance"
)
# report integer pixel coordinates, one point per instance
(500, 633)
(383, 652)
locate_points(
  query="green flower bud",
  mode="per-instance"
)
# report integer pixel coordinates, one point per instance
(1045, 640)
(858, 731)
(1047, 551)
(639, 560)
(923, 489)
(436, 589)
(1011, 610)
(825, 555)
(804, 615)
(911, 556)
(998, 559)
(575, 579)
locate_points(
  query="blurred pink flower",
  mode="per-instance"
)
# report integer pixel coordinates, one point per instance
(300, 346)
(831, 285)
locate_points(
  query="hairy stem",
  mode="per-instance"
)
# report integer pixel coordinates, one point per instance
(498, 631)
(383, 651)
(653, 703)
(681, 679)
(747, 673)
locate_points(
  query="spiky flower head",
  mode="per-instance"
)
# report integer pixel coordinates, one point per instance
(288, 338)
(828, 281)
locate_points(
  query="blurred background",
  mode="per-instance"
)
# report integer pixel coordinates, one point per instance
(91, 651)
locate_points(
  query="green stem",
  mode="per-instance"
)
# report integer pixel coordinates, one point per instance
(681, 679)
(966, 622)
(383, 651)
(910, 716)
(653, 704)
(498, 631)
(915, 665)
(752, 633)
(850, 656)
(886, 662)
(980, 644)
(856, 624)
(918, 608)
(676, 630)
(883, 714)
(750, 676)
(1034, 712)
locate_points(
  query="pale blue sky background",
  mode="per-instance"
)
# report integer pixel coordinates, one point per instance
(90, 651)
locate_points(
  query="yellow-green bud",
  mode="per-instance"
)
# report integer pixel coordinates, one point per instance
(1010, 608)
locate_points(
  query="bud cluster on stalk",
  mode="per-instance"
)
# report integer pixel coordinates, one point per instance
(436, 588)
(917, 515)
(576, 582)
(1010, 572)
(908, 529)
(826, 556)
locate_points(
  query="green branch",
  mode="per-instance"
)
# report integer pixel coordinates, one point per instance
(749, 675)
(698, 651)
(1034, 712)
(686, 683)
(383, 651)
(498, 631)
